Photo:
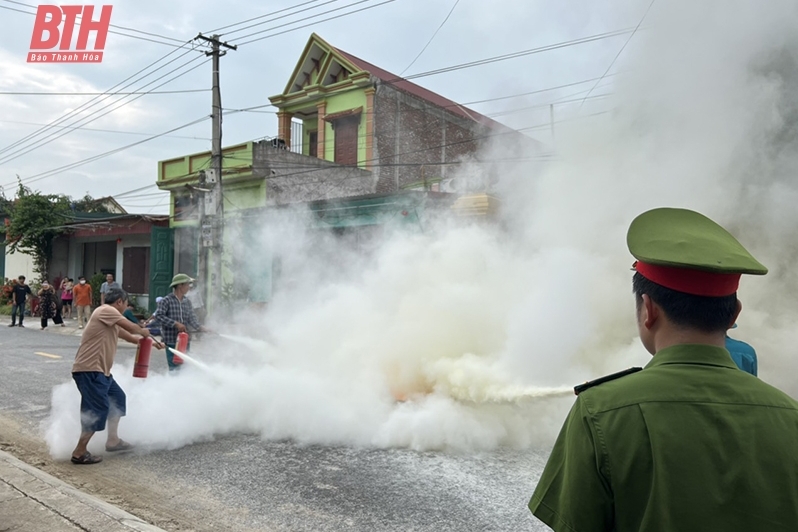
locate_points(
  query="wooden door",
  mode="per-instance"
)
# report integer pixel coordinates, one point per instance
(136, 270)
(345, 131)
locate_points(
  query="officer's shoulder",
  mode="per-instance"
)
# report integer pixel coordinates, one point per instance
(579, 388)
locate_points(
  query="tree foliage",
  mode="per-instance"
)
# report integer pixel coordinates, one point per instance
(88, 204)
(35, 220)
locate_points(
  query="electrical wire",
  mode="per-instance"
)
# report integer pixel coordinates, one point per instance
(413, 62)
(79, 18)
(97, 99)
(106, 130)
(280, 17)
(85, 119)
(315, 22)
(259, 17)
(514, 55)
(621, 50)
(182, 91)
(60, 169)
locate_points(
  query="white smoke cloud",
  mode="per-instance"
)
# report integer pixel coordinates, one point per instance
(470, 324)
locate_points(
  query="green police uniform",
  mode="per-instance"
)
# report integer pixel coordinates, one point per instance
(690, 443)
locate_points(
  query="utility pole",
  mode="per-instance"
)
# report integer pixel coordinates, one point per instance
(212, 215)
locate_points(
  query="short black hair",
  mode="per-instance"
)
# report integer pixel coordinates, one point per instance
(21, 278)
(81, 277)
(706, 314)
(115, 294)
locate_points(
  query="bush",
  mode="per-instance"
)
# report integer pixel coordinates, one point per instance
(5, 292)
(5, 310)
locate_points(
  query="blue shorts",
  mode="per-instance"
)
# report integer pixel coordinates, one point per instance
(101, 398)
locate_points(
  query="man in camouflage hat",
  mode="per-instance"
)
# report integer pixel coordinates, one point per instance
(688, 443)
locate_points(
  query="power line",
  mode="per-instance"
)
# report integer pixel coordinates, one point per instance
(260, 17)
(622, 49)
(277, 18)
(79, 19)
(537, 91)
(545, 105)
(97, 99)
(182, 91)
(513, 55)
(60, 169)
(134, 190)
(293, 21)
(316, 22)
(84, 120)
(104, 130)
(431, 38)
(486, 100)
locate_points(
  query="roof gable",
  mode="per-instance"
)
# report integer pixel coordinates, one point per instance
(321, 66)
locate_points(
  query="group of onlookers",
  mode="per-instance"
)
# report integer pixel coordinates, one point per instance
(57, 306)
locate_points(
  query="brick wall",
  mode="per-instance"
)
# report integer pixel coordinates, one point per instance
(412, 137)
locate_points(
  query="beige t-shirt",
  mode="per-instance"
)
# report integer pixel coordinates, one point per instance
(98, 344)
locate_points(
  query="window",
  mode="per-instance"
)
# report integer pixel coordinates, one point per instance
(186, 205)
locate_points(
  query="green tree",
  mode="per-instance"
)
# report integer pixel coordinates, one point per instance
(88, 204)
(35, 220)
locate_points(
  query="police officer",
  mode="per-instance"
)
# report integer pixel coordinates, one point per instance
(690, 443)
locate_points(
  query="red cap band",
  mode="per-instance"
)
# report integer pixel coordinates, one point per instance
(695, 282)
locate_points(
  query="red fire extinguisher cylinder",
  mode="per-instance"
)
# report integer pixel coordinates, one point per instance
(182, 346)
(142, 364)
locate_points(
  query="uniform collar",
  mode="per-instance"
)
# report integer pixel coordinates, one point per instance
(701, 354)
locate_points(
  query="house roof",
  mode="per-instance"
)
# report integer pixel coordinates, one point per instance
(420, 92)
(319, 59)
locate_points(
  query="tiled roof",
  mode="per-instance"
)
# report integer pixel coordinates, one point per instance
(421, 92)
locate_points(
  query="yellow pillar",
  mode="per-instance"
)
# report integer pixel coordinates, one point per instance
(321, 151)
(369, 127)
(284, 127)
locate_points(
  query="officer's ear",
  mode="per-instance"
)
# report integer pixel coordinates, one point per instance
(649, 312)
(736, 313)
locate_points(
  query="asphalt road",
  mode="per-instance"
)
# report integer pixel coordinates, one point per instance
(240, 482)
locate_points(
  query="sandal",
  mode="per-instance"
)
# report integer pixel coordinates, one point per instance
(86, 459)
(121, 446)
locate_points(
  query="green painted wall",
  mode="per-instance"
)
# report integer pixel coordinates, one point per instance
(244, 196)
(336, 103)
(308, 125)
(236, 164)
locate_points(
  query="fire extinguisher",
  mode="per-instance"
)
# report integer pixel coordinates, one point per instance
(182, 346)
(142, 364)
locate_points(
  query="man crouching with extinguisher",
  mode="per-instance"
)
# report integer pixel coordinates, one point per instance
(175, 314)
(102, 400)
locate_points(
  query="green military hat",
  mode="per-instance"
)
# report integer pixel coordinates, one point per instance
(180, 278)
(687, 252)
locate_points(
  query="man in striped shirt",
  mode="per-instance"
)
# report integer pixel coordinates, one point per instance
(175, 314)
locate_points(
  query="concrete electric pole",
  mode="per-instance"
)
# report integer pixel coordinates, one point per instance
(212, 211)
